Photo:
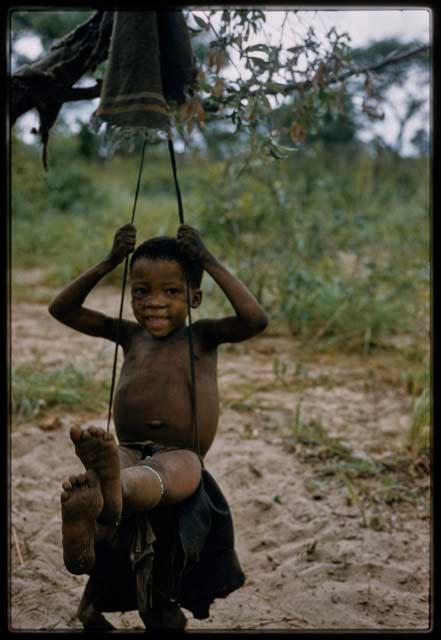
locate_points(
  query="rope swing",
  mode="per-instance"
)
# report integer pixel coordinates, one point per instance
(123, 289)
(150, 64)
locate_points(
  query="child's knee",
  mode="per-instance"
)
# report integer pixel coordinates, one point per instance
(180, 472)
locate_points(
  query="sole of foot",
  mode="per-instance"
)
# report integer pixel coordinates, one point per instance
(81, 503)
(98, 451)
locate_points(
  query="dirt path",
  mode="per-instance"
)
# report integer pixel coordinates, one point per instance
(316, 552)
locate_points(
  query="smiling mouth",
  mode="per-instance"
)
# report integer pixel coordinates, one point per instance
(157, 321)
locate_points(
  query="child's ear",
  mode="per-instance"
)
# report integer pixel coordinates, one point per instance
(196, 298)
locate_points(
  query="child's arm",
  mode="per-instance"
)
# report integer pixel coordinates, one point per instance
(68, 308)
(250, 318)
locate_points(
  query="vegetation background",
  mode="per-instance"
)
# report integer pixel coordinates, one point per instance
(331, 233)
(330, 227)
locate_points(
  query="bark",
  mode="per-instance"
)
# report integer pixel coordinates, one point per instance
(46, 84)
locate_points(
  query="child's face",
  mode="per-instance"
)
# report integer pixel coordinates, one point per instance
(159, 298)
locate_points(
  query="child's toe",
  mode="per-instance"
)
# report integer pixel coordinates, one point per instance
(74, 481)
(75, 433)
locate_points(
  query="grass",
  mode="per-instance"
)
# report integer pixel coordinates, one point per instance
(370, 485)
(35, 393)
(420, 429)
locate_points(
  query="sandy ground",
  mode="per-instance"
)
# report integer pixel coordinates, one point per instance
(314, 558)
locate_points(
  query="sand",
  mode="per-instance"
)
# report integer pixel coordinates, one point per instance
(314, 558)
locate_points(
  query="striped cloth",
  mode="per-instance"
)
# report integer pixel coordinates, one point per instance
(150, 64)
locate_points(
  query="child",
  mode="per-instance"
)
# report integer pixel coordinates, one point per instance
(154, 469)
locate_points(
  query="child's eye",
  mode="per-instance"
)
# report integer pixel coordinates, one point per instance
(172, 291)
(139, 291)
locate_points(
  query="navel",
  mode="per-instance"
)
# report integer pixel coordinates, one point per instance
(155, 424)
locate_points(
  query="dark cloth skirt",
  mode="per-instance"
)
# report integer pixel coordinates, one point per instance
(179, 555)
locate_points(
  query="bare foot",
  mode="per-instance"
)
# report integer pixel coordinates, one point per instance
(98, 450)
(81, 503)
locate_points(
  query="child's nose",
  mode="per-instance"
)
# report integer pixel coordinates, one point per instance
(156, 301)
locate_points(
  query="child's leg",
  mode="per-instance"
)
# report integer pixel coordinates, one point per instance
(168, 477)
(118, 481)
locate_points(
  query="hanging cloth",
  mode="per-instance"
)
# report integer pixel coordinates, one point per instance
(150, 64)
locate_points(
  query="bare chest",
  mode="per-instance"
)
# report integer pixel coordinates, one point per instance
(161, 363)
(155, 389)
(155, 379)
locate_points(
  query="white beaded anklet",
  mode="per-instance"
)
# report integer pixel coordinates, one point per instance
(144, 466)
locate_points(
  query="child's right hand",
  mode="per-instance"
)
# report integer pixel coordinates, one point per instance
(123, 243)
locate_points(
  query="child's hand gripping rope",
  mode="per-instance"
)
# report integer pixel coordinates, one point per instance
(191, 244)
(123, 243)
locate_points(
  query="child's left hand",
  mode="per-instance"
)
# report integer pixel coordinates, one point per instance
(191, 243)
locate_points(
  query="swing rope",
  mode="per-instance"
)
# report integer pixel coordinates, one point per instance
(190, 331)
(123, 290)
(190, 325)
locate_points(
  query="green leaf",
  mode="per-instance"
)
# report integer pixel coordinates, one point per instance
(202, 23)
(258, 47)
(258, 61)
(194, 32)
(278, 151)
(276, 86)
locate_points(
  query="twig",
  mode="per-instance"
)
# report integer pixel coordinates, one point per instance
(41, 594)
(282, 29)
(329, 321)
(17, 546)
(218, 37)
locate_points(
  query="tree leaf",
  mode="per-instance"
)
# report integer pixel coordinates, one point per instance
(259, 61)
(258, 47)
(297, 133)
(202, 23)
(200, 113)
(219, 60)
(276, 86)
(218, 88)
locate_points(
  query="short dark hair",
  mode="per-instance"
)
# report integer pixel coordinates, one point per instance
(167, 248)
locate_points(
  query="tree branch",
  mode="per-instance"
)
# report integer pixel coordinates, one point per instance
(212, 106)
(386, 62)
(82, 93)
(52, 77)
